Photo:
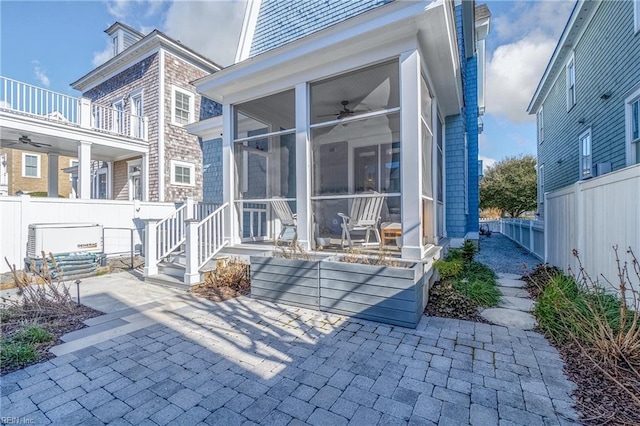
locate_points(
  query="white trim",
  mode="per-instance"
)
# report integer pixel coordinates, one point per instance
(570, 65)
(251, 14)
(541, 184)
(77, 162)
(184, 165)
(161, 128)
(266, 135)
(133, 163)
(192, 105)
(636, 16)
(584, 135)
(358, 117)
(540, 125)
(137, 93)
(38, 165)
(631, 145)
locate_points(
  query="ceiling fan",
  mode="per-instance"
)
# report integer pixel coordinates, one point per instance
(343, 113)
(26, 140)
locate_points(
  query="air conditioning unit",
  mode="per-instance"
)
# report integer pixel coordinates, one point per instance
(600, 169)
(56, 238)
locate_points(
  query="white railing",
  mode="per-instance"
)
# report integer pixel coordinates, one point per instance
(170, 233)
(527, 233)
(205, 238)
(202, 210)
(114, 120)
(27, 99)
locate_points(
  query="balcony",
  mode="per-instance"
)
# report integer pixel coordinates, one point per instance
(35, 102)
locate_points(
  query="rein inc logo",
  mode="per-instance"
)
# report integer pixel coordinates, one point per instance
(17, 421)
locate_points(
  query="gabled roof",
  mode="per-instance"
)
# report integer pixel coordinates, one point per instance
(133, 54)
(482, 12)
(112, 29)
(578, 21)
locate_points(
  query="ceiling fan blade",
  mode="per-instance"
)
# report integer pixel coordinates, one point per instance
(38, 144)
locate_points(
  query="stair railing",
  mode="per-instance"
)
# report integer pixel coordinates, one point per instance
(205, 239)
(170, 232)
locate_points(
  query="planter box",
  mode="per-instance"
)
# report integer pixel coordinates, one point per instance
(392, 295)
(288, 281)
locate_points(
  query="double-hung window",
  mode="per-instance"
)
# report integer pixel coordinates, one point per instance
(585, 154)
(182, 173)
(541, 125)
(632, 110)
(30, 165)
(571, 83)
(183, 106)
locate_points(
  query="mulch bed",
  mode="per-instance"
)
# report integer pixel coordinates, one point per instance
(600, 401)
(448, 303)
(56, 326)
(218, 293)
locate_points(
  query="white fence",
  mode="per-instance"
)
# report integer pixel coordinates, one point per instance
(117, 217)
(592, 216)
(527, 233)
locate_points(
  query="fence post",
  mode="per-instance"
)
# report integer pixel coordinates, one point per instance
(151, 248)
(531, 242)
(545, 229)
(191, 273)
(190, 214)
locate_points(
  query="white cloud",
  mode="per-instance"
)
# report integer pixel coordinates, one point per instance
(528, 33)
(117, 8)
(487, 162)
(102, 56)
(210, 28)
(40, 74)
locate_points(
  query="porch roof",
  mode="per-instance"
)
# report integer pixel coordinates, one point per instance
(366, 38)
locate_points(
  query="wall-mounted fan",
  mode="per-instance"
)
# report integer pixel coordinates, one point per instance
(26, 140)
(343, 113)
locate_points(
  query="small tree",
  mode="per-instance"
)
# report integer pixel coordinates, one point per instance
(510, 185)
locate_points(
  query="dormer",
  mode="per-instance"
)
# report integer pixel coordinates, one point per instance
(122, 37)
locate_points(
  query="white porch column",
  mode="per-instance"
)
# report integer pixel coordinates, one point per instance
(84, 170)
(411, 154)
(52, 175)
(231, 220)
(151, 248)
(191, 273)
(145, 177)
(303, 169)
(109, 180)
(85, 113)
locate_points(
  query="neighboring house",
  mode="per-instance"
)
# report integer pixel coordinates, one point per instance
(326, 104)
(26, 172)
(134, 108)
(588, 100)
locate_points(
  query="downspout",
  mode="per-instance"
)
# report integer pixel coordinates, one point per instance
(161, 129)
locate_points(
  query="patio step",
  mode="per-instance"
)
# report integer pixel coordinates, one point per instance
(167, 281)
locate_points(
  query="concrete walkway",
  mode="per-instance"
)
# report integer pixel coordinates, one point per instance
(515, 307)
(246, 362)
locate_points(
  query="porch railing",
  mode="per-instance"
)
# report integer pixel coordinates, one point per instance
(32, 100)
(202, 210)
(170, 232)
(38, 102)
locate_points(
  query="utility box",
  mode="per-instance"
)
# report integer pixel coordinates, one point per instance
(76, 238)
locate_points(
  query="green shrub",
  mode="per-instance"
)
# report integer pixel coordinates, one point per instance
(454, 254)
(481, 292)
(450, 268)
(468, 250)
(15, 354)
(479, 271)
(557, 307)
(33, 334)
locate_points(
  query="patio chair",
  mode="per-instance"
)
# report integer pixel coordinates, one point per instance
(364, 216)
(285, 216)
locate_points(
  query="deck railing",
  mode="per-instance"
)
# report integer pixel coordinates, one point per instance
(205, 238)
(32, 100)
(170, 232)
(35, 101)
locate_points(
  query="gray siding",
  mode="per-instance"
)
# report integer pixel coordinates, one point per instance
(607, 60)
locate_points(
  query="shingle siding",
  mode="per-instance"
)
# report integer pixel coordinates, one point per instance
(607, 60)
(283, 21)
(212, 175)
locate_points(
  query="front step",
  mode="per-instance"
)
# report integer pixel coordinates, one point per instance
(172, 269)
(167, 281)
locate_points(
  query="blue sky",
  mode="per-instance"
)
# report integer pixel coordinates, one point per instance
(53, 43)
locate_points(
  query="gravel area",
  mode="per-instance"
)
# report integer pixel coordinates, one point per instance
(503, 255)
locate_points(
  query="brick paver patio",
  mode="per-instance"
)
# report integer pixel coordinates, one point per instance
(250, 362)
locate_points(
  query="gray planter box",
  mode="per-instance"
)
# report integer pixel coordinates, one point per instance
(380, 293)
(292, 282)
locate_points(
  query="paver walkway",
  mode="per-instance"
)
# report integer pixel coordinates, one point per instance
(246, 362)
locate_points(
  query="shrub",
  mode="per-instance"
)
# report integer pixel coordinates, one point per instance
(33, 334)
(15, 354)
(468, 250)
(480, 292)
(479, 271)
(449, 268)
(538, 280)
(446, 301)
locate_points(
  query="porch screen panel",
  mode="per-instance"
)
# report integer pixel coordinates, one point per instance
(427, 162)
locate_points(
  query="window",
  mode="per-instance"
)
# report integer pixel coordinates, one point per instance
(182, 173)
(571, 83)
(632, 110)
(114, 45)
(541, 125)
(636, 16)
(585, 155)
(135, 179)
(118, 121)
(541, 184)
(30, 165)
(137, 112)
(183, 107)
